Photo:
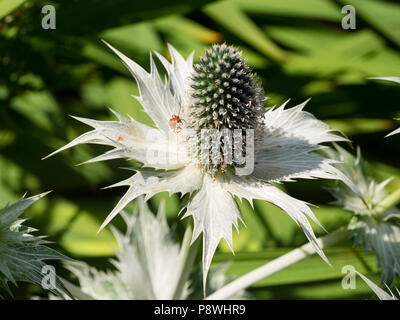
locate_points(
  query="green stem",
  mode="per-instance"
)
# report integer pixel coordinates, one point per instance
(278, 264)
(188, 253)
(390, 201)
(295, 255)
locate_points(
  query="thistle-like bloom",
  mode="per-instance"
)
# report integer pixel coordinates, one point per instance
(393, 79)
(253, 147)
(22, 255)
(372, 229)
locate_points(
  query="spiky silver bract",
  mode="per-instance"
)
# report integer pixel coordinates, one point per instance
(147, 264)
(382, 236)
(22, 255)
(365, 193)
(380, 293)
(285, 150)
(370, 228)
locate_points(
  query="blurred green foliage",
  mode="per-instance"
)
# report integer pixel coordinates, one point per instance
(298, 49)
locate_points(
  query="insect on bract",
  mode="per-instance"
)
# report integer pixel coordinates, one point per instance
(175, 122)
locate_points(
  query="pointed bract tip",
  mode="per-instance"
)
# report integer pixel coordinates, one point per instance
(105, 42)
(38, 196)
(105, 223)
(108, 45)
(45, 193)
(390, 134)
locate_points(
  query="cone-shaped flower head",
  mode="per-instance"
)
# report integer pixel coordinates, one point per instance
(214, 140)
(225, 95)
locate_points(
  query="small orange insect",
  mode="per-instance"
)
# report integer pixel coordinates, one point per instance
(175, 122)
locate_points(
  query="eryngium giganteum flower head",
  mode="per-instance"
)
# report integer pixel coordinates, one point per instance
(22, 255)
(374, 230)
(213, 139)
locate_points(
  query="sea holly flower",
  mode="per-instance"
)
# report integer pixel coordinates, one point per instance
(147, 264)
(393, 79)
(251, 147)
(372, 229)
(22, 255)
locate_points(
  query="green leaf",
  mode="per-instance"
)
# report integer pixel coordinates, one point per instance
(7, 6)
(81, 238)
(230, 16)
(314, 9)
(89, 17)
(383, 15)
(347, 57)
(187, 28)
(136, 37)
(352, 126)
(309, 270)
(40, 107)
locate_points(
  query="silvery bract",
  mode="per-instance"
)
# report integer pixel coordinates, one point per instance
(380, 293)
(376, 231)
(393, 79)
(382, 236)
(220, 93)
(22, 255)
(147, 264)
(364, 193)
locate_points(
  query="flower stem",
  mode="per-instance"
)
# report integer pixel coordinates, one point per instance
(278, 264)
(189, 254)
(390, 201)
